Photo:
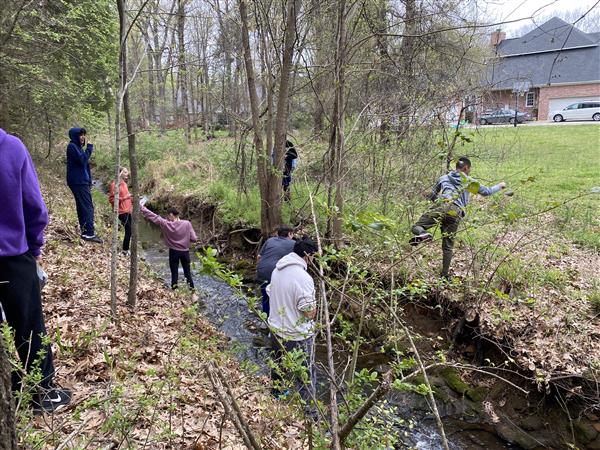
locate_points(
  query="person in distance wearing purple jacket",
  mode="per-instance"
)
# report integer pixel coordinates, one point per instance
(22, 222)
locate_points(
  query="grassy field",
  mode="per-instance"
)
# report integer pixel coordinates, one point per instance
(547, 167)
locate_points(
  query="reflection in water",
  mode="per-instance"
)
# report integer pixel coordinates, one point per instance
(229, 312)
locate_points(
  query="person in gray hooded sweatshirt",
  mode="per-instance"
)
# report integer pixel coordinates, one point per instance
(291, 320)
(451, 197)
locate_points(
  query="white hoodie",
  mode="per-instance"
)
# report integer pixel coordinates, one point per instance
(291, 291)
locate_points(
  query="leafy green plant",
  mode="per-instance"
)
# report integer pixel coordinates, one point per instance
(593, 299)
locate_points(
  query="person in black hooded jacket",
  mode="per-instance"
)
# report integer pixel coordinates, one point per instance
(79, 179)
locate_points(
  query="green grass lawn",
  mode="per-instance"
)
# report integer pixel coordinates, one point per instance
(546, 166)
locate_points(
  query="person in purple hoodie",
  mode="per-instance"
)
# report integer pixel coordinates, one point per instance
(22, 222)
(79, 179)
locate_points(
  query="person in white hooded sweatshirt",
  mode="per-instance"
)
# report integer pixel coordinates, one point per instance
(291, 320)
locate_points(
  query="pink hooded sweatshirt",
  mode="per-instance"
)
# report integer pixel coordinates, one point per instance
(177, 233)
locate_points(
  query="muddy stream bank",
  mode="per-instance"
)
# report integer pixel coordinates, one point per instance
(229, 312)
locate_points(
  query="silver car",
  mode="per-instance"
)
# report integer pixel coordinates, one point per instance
(589, 110)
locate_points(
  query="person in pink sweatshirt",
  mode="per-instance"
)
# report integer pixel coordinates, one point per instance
(177, 234)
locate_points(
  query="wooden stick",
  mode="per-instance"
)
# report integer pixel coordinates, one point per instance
(375, 396)
(242, 427)
(236, 407)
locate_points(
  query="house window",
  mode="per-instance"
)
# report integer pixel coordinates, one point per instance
(530, 99)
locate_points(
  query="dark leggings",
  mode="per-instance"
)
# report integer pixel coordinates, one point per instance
(174, 257)
(125, 220)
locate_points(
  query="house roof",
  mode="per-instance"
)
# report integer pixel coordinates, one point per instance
(555, 52)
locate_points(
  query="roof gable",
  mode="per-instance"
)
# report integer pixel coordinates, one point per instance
(555, 34)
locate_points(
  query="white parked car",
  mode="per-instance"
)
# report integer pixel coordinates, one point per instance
(588, 110)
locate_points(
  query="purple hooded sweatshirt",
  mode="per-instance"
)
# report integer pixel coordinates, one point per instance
(23, 215)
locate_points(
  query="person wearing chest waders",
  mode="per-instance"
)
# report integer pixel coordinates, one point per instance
(79, 179)
(178, 234)
(451, 196)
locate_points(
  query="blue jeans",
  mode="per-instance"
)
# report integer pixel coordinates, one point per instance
(265, 297)
(85, 207)
(306, 384)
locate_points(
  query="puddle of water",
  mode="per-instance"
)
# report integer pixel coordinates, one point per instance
(229, 312)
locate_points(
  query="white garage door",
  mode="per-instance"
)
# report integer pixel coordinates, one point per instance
(555, 104)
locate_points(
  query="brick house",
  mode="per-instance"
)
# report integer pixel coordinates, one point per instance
(555, 64)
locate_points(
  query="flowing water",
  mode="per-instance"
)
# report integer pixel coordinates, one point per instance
(229, 312)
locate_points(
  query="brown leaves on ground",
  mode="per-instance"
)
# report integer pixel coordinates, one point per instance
(137, 383)
(535, 300)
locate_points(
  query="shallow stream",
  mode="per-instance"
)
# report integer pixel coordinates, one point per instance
(229, 312)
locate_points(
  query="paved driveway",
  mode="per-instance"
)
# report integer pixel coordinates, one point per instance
(540, 123)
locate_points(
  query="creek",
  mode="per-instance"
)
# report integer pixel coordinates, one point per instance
(228, 311)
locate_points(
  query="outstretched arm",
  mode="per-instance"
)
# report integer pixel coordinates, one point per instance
(485, 191)
(154, 218)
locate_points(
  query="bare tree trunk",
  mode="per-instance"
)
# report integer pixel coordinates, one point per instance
(263, 160)
(122, 82)
(268, 86)
(201, 29)
(336, 139)
(318, 84)
(123, 102)
(160, 75)
(140, 98)
(281, 118)
(8, 433)
(407, 52)
(151, 117)
(193, 106)
(135, 191)
(182, 78)
(333, 406)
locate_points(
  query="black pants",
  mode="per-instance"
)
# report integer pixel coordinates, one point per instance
(125, 220)
(448, 216)
(85, 207)
(22, 304)
(175, 256)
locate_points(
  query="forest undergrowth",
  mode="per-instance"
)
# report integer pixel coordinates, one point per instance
(140, 382)
(526, 267)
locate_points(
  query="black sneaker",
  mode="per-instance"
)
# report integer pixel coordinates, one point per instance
(93, 238)
(419, 238)
(52, 400)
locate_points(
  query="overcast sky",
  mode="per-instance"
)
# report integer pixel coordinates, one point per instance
(517, 9)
